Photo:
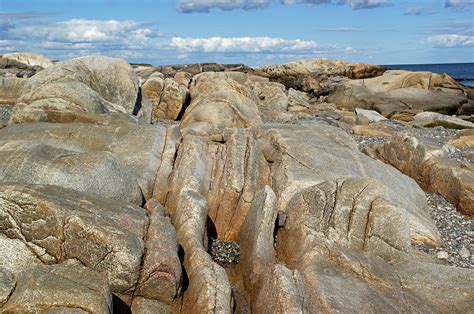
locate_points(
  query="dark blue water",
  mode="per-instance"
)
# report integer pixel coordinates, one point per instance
(462, 72)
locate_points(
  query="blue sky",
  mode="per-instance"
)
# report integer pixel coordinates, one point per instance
(254, 32)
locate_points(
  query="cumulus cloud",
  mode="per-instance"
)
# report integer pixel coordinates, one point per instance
(190, 6)
(451, 40)
(90, 31)
(458, 3)
(204, 6)
(241, 44)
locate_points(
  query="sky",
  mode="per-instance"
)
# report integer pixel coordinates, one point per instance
(254, 32)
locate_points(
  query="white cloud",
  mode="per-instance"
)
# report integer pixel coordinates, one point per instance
(459, 3)
(365, 4)
(190, 6)
(129, 33)
(204, 6)
(241, 44)
(451, 40)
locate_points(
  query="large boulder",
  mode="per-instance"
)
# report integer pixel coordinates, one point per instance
(117, 160)
(433, 119)
(312, 153)
(221, 100)
(82, 85)
(59, 224)
(28, 58)
(167, 96)
(318, 76)
(400, 90)
(430, 167)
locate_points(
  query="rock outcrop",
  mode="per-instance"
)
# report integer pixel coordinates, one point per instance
(401, 90)
(107, 207)
(75, 88)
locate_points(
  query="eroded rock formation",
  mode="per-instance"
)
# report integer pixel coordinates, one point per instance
(101, 210)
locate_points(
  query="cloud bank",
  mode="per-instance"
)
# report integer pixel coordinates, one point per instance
(204, 6)
(451, 40)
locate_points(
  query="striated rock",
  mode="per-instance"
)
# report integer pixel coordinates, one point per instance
(58, 224)
(28, 58)
(297, 101)
(306, 161)
(10, 89)
(160, 277)
(305, 221)
(77, 86)
(313, 76)
(272, 96)
(68, 287)
(272, 287)
(433, 119)
(95, 159)
(221, 100)
(431, 169)
(167, 97)
(401, 90)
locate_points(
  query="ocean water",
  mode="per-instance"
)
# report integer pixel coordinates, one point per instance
(462, 72)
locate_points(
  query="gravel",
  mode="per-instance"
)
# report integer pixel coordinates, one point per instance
(438, 136)
(363, 141)
(461, 155)
(5, 112)
(457, 233)
(225, 253)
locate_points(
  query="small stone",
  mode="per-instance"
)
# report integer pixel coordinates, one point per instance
(442, 255)
(464, 253)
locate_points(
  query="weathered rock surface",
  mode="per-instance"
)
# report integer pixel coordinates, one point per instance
(118, 161)
(428, 165)
(400, 90)
(64, 288)
(10, 89)
(102, 211)
(221, 100)
(57, 224)
(28, 58)
(314, 76)
(82, 85)
(167, 96)
(433, 119)
(306, 159)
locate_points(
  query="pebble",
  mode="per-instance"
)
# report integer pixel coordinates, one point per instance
(442, 255)
(464, 253)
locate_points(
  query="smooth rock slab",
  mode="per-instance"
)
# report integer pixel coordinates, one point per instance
(118, 160)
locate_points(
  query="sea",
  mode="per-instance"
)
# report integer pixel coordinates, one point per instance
(462, 72)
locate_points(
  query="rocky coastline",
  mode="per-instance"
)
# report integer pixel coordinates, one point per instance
(312, 186)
